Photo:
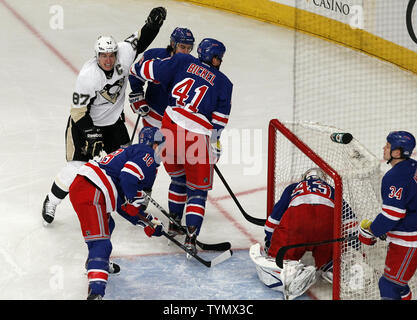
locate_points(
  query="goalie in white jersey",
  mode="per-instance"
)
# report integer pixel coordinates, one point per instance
(96, 121)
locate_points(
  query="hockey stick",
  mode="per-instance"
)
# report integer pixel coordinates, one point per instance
(279, 259)
(208, 263)
(257, 221)
(134, 129)
(222, 246)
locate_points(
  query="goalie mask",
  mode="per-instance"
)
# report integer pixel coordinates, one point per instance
(314, 173)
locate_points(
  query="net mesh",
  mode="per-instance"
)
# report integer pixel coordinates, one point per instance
(344, 87)
(359, 169)
(343, 78)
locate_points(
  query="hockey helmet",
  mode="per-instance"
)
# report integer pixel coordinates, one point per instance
(209, 48)
(105, 44)
(402, 140)
(150, 135)
(182, 35)
(314, 173)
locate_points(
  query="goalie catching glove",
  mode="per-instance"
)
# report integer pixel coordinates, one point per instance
(138, 104)
(365, 234)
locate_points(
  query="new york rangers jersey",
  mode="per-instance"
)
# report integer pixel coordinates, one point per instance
(398, 218)
(200, 95)
(101, 97)
(121, 174)
(156, 96)
(312, 191)
(309, 191)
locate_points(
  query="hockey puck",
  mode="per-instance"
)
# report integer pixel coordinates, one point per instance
(343, 138)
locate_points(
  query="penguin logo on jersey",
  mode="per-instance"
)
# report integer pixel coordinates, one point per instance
(111, 92)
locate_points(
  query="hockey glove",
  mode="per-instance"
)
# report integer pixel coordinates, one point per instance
(138, 104)
(131, 207)
(93, 142)
(151, 226)
(365, 234)
(156, 18)
(216, 148)
(154, 228)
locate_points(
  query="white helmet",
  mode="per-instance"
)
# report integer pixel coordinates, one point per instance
(316, 173)
(105, 44)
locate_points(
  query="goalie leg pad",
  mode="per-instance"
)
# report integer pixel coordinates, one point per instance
(303, 280)
(268, 272)
(293, 280)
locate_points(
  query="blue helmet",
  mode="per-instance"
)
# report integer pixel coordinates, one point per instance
(150, 135)
(182, 35)
(402, 140)
(209, 48)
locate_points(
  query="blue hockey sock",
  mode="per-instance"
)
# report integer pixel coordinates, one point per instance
(393, 291)
(177, 196)
(98, 265)
(196, 204)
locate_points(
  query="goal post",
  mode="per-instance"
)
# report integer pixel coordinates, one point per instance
(274, 126)
(354, 172)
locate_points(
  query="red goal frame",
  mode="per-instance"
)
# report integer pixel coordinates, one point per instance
(276, 126)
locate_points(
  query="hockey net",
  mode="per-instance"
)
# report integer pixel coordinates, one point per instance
(355, 174)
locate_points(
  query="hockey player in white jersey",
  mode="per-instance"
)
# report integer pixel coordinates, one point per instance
(96, 121)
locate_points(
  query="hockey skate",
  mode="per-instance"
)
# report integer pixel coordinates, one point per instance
(48, 211)
(191, 239)
(94, 297)
(173, 228)
(114, 268)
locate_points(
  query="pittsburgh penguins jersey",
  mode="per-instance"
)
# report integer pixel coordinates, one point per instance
(398, 218)
(101, 97)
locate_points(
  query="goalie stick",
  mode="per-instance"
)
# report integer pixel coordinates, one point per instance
(279, 259)
(222, 246)
(257, 221)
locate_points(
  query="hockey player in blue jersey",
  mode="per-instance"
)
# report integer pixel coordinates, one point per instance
(115, 183)
(398, 219)
(198, 110)
(152, 104)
